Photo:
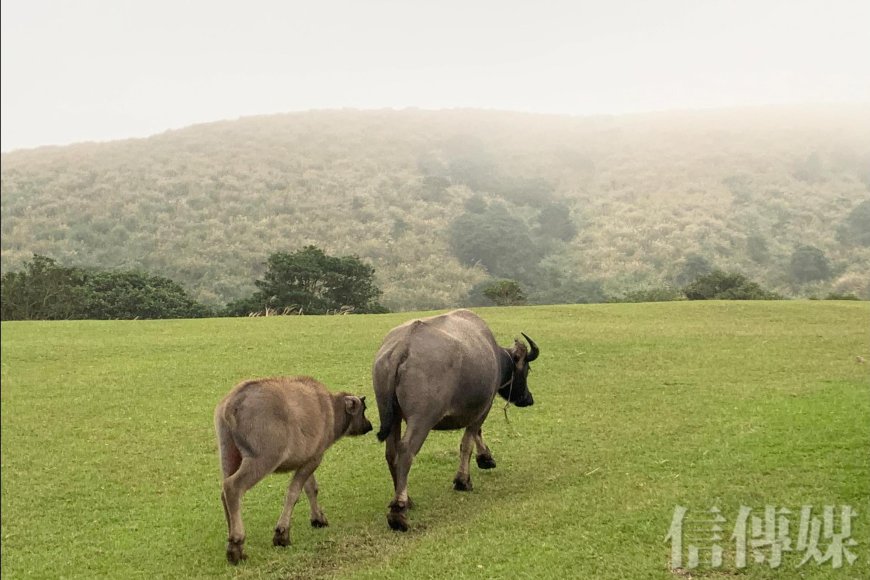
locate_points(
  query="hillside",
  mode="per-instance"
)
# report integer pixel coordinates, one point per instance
(574, 208)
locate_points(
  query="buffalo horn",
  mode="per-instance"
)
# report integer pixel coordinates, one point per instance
(535, 352)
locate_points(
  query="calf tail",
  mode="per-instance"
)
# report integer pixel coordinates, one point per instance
(386, 377)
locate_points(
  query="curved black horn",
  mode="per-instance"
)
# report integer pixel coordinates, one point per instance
(535, 352)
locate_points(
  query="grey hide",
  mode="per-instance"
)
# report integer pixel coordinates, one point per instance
(443, 372)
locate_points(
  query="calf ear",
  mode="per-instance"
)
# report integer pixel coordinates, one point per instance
(352, 404)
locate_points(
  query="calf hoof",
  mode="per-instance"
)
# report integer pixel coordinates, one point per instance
(319, 522)
(281, 537)
(460, 484)
(397, 517)
(485, 461)
(235, 553)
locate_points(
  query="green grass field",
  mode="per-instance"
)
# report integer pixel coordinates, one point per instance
(109, 465)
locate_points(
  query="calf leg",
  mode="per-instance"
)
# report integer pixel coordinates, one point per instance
(251, 470)
(407, 448)
(282, 529)
(462, 481)
(484, 456)
(318, 519)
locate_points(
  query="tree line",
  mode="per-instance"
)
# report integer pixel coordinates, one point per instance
(307, 281)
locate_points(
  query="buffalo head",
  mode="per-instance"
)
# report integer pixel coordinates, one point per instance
(516, 389)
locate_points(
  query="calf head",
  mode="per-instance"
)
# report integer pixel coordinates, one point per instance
(355, 407)
(517, 389)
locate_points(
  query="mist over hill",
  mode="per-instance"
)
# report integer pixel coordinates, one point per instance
(573, 208)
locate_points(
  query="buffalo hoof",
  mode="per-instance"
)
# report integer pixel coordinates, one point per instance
(319, 522)
(235, 553)
(281, 537)
(460, 484)
(398, 521)
(485, 461)
(397, 517)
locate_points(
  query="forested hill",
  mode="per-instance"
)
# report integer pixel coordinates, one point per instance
(574, 209)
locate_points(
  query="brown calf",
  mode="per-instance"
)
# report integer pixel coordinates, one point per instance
(278, 425)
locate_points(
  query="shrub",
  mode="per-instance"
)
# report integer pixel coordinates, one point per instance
(719, 285)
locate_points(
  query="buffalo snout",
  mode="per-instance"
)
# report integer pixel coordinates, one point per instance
(526, 401)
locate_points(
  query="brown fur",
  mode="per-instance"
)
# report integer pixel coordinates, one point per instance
(279, 424)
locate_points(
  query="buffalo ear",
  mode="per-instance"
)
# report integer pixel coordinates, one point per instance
(518, 352)
(352, 404)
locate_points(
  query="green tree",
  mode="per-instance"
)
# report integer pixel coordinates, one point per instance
(315, 282)
(127, 295)
(808, 264)
(692, 268)
(48, 291)
(505, 293)
(554, 221)
(756, 246)
(43, 290)
(719, 285)
(475, 204)
(855, 229)
(495, 239)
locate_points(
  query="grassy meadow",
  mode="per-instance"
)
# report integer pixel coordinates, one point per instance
(109, 462)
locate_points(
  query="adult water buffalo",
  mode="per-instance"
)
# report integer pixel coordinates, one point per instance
(443, 372)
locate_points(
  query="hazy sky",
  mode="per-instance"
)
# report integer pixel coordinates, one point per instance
(82, 70)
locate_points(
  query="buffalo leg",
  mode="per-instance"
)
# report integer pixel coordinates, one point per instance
(282, 529)
(462, 481)
(391, 449)
(318, 519)
(391, 453)
(407, 448)
(249, 473)
(484, 455)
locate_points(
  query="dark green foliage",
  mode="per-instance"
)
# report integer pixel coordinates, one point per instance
(313, 282)
(46, 291)
(855, 229)
(692, 268)
(719, 285)
(740, 186)
(662, 294)
(554, 221)
(476, 297)
(475, 204)
(434, 188)
(505, 293)
(130, 294)
(522, 190)
(809, 264)
(756, 247)
(569, 290)
(839, 296)
(495, 239)
(42, 290)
